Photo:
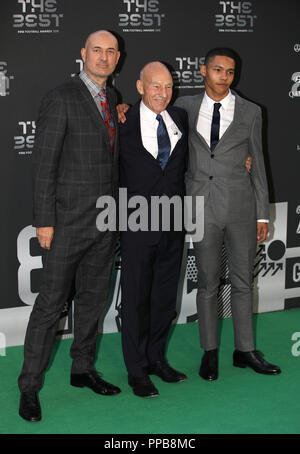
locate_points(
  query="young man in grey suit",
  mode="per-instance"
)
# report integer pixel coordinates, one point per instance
(223, 130)
(75, 161)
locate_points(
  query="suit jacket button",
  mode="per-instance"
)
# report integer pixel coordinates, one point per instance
(210, 178)
(212, 155)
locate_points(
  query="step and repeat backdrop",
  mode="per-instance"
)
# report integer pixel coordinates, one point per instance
(40, 42)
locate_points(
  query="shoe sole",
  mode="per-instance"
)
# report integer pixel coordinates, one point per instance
(146, 397)
(30, 419)
(209, 378)
(80, 385)
(77, 385)
(169, 381)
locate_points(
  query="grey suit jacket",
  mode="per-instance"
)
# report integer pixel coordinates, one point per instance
(221, 176)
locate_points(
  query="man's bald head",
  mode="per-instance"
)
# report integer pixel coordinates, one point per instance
(100, 55)
(155, 86)
(153, 66)
(99, 34)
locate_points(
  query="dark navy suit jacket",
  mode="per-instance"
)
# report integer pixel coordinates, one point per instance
(141, 173)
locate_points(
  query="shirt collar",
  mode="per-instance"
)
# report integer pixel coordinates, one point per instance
(225, 101)
(148, 113)
(92, 86)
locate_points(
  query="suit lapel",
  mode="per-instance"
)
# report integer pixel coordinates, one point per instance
(88, 103)
(136, 121)
(176, 120)
(91, 108)
(238, 109)
(196, 113)
(171, 111)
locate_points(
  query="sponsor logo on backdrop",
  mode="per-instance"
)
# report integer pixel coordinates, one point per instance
(298, 212)
(269, 259)
(276, 273)
(2, 344)
(296, 346)
(24, 141)
(297, 47)
(223, 297)
(295, 91)
(30, 263)
(37, 16)
(5, 79)
(293, 272)
(140, 16)
(79, 62)
(235, 16)
(187, 72)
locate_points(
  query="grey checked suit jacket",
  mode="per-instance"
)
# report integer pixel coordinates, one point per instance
(221, 176)
(72, 161)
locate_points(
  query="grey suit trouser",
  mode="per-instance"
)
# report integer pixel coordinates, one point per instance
(89, 262)
(239, 238)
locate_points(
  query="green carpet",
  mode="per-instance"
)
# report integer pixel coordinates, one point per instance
(239, 402)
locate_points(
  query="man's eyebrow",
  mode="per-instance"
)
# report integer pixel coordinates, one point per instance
(157, 82)
(108, 48)
(222, 67)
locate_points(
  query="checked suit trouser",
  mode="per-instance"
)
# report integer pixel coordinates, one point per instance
(89, 262)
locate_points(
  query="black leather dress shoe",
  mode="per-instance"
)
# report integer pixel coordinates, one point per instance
(209, 365)
(93, 381)
(30, 408)
(142, 386)
(163, 370)
(255, 361)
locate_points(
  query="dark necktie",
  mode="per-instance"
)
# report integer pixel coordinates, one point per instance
(163, 141)
(215, 126)
(107, 117)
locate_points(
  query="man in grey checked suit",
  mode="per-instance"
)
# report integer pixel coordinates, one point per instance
(75, 161)
(223, 130)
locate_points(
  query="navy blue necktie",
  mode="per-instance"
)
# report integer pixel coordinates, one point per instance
(163, 141)
(215, 126)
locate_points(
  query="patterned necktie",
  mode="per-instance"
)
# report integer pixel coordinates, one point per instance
(107, 117)
(163, 141)
(215, 126)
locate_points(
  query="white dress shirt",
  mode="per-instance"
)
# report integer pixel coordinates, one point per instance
(206, 113)
(149, 126)
(226, 117)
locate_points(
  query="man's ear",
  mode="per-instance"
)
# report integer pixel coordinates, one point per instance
(83, 54)
(203, 70)
(140, 87)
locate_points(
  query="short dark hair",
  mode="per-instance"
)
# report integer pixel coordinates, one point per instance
(223, 51)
